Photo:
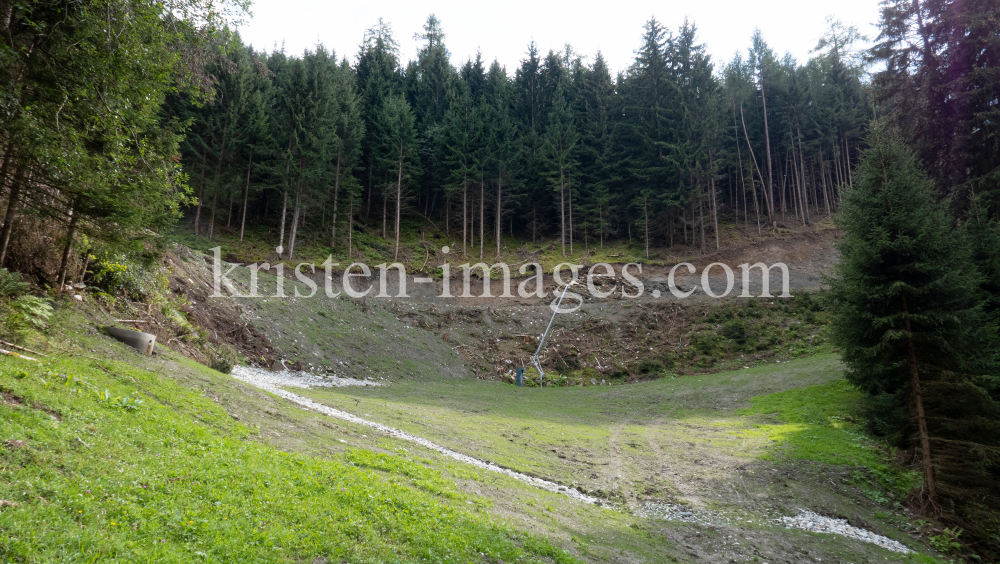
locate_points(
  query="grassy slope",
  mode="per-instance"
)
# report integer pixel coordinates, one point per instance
(695, 422)
(91, 475)
(751, 445)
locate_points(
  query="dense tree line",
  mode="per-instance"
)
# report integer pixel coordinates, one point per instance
(315, 144)
(85, 150)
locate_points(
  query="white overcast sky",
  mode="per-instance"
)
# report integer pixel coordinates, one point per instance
(502, 29)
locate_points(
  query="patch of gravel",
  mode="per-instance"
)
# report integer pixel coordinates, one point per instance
(273, 382)
(809, 521)
(675, 512)
(295, 379)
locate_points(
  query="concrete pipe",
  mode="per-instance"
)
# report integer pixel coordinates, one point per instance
(142, 342)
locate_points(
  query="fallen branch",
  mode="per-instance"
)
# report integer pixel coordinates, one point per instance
(25, 349)
(17, 355)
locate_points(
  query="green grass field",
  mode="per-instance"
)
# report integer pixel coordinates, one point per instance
(128, 466)
(163, 460)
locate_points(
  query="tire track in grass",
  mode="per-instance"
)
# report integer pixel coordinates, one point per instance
(272, 382)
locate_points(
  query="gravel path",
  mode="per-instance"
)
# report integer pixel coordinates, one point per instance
(261, 376)
(809, 521)
(272, 382)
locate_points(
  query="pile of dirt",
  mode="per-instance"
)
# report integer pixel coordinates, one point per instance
(222, 320)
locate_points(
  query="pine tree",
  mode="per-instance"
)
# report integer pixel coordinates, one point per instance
(909, 319)
(397, 125)
(558, 152)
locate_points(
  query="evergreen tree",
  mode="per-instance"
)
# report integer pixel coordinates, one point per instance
(559, 155)
(910, 325)
(397, 128)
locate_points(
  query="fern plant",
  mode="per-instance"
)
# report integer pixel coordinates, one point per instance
(24, 315)
(11, 284)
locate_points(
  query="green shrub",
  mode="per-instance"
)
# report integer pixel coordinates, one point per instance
(118, 273)
(221, 364)
(650, 365)
(735, 330)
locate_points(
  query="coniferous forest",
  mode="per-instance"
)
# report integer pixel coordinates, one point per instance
(126, 122)
(321, 144)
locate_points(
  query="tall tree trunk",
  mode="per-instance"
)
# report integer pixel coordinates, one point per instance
(645, 213)
(8, 157)
(295, 214)
(350, 227)
(284, 200)
(803, 200)
(925, 438)
(562, 211)
(482, 214)
(715, 213)
(218, 172)
(499, 189)
(569, 192)
(399, 200)
(232, 203)
(826, 200)
(246, 195)
(201, 191)
(701, 214)
(759, 174)
(13, 201)
(336, 189)
(742, 180)
(64, 263)
(767, 139)
(847, 152)
(385, 213)
(465, 216)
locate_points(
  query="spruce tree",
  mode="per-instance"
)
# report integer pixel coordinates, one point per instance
(910, 326)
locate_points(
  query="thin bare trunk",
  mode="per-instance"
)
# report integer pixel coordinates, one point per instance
(759, 175)
(399, 200)
(350, 227)
(847, 153)
(336, 189)
(465, 217)
(295, 214)
(803, 199)
(218, 172)
(246, 195)
(385, 212)
(499, 189)
(13, 201)
(284, 200)
(64, 264)
(562, 211)
(715, 213)
(201, 192)
(569, 190)
(645, 213)
(701, 215)
(767, 139)
(482, 214)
